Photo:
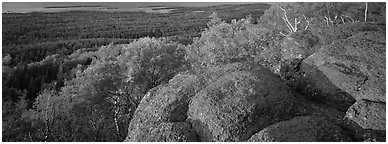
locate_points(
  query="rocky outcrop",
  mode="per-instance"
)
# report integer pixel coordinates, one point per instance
(162, 112)
(301, 129)
(338, 75)
(328, 90)
(346, 71)
(240, 102)
(225, 103)
(341, 71)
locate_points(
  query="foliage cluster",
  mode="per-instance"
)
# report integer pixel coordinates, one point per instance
(237, 41)
(97, 104)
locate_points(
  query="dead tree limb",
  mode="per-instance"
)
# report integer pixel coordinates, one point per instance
(366, 11)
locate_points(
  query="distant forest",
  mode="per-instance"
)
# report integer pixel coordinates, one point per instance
(31, 37)
(79, 75)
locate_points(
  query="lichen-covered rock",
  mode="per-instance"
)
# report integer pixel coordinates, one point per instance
(367, 114)
(239, 100)
(329, 34)
(167, 132)
(346, 71)
(305, 106)
(366, 119)
(167, 103)
(301, 129)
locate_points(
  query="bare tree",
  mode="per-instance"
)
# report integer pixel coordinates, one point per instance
(297, 21)
(366, 11)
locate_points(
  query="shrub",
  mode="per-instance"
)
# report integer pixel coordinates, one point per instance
(224, 43)
(238, 41)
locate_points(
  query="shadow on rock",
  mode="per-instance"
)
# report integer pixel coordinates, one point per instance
(317, 87)
(202, 129)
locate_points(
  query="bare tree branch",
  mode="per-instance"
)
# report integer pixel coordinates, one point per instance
(282, 9)
(366, 11)
(327, 20)
(282, 34)
(131, 100)
(308, 22)
(343, 21)
(349, 17)
(289, 25)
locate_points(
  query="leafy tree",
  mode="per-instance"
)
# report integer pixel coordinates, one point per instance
(224, 43)
(15, 127)
(215, 20)
(150, 62)
(98, 103)
(7, 60)
(45, 110)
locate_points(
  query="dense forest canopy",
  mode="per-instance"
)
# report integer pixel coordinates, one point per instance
(32, 36)
(79, 76)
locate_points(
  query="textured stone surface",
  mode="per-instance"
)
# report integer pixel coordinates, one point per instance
(224, 103)
(367, 114)
(366, 120)
(338, 94)
(347, 70)
(167, 132)
(333, 33)
(242, 100)
(167, 103)
(301, 129)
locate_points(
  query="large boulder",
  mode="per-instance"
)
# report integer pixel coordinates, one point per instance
(367, 120)
(166, 103)
(301, 129)
(301, 44)
(346, 70)
(238, 101)
(222, 103)
(305, 106)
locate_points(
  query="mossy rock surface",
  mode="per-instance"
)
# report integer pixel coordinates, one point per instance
(367, 120)
(241, 100)
(346, 71)
(301, 129)
(163, 111)
(223, 103)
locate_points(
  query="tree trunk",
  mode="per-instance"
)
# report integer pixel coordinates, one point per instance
(47, 132)
(366, 11)
(115, 119)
